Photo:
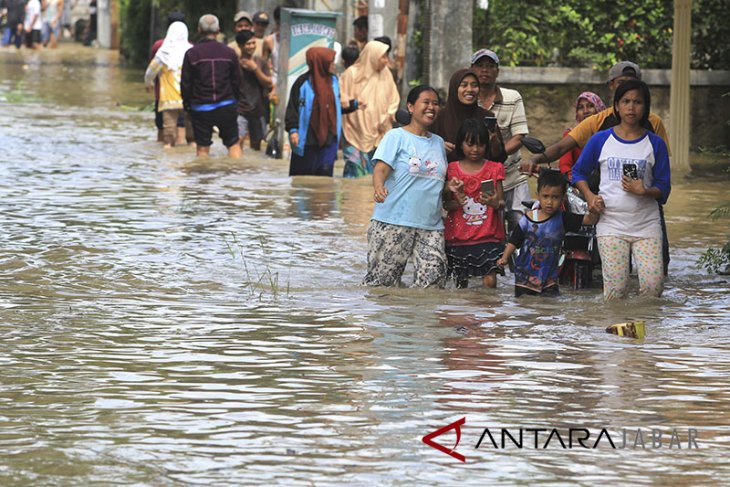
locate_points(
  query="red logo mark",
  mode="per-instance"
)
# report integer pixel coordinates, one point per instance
(456, 425)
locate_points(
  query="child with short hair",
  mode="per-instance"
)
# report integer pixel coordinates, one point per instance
(473, 227)
(539, 236)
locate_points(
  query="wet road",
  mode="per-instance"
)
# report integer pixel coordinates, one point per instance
(172, 321)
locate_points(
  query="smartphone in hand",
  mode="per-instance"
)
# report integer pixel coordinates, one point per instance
(630, 171)
(488, 187)
(490, 122)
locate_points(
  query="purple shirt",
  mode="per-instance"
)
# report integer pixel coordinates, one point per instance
(210, 74)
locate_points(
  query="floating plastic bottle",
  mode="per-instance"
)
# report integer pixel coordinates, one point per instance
(631, 329)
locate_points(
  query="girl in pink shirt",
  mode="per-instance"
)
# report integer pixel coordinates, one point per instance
(474, 227)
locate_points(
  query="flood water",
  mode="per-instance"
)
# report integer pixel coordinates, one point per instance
(173, 321)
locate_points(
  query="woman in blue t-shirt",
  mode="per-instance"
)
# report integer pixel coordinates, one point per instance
(635, 179)
(408, 179)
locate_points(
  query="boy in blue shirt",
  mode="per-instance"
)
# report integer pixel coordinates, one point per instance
(539, 236)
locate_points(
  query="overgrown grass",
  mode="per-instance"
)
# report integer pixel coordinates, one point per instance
(257, 282)
(19, 95)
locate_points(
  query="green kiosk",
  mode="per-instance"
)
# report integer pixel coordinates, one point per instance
(300, 30)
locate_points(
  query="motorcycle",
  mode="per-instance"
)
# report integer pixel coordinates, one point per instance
(580, 249)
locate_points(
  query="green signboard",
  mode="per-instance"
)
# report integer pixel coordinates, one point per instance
(300, 30)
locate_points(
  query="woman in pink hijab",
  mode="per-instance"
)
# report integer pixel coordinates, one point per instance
(587, 104)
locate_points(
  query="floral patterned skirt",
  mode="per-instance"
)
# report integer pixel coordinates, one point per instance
(390, 247)
(357, 162)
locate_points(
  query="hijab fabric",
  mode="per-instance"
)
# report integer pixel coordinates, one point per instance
(362, 81)
(450, 118)
(324, 110)
(591, 97)
(173, 49)
(454, 113)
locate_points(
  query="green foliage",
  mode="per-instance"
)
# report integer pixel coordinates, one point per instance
(717, 260)
(721, 212)
(135, 34)
(145, 21)
(585, 33)
(710, 32)
(417, 42)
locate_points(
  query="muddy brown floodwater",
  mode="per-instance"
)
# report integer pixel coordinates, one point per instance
(172, 321)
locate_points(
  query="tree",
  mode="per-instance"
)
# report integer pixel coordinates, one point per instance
(139, 17)
(585, 33)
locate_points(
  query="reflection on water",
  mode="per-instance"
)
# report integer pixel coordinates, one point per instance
(168, 320)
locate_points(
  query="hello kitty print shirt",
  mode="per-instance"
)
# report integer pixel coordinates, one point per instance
(474, 223)
(415, 182)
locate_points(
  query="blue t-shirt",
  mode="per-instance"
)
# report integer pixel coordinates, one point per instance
(536, 267)
(416, 181)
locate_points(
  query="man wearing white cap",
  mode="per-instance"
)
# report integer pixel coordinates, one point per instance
(509, 109)
(241, 21)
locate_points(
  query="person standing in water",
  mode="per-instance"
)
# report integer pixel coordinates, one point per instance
(539, 236)
(509, 109)
(635, 180)
(13, 33)
(314, 116)
(587, 104)
(167, 67)
(408, 181)
(474, 226)
(33, 24)
(462, 104)
(210, 86)
(370, 81)
(255, 84)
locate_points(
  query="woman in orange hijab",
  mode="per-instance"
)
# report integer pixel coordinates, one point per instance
(313, 116)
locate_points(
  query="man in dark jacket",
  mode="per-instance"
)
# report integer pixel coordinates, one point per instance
(210, 86)
(13, 33)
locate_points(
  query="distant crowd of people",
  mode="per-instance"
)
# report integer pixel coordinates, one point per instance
(42, 23)
(213, 85)
(450, 178)
(243, 78)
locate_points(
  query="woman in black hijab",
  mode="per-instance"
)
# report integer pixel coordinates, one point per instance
(461, 104)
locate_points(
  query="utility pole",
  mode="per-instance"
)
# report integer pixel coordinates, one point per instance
(679, 95)
(382, 18)
(104, 23)
(448, 40)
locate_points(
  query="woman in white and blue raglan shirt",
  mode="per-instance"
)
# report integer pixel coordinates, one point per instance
(629, 222)
(408, 179)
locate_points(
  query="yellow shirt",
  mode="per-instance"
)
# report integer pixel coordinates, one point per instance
(170, 97)
(585, 130)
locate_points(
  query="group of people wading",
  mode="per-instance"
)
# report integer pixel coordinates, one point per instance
(446, 181)
(434, 209)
